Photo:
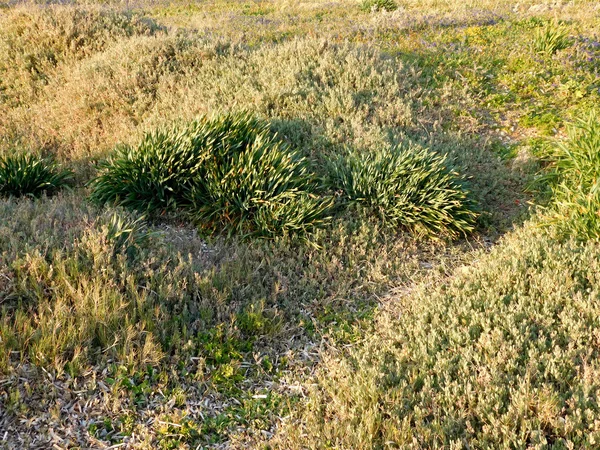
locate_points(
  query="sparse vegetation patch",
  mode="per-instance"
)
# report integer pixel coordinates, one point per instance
(35, 41)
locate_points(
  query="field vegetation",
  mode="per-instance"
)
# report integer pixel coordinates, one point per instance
(274, 224)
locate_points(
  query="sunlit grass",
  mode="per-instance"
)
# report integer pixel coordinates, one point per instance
(165, 323)
(406, 186)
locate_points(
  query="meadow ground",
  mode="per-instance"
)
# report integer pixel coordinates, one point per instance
(392, 320)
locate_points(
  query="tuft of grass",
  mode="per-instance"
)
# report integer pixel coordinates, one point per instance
(575, 175)
(262, 190)
(406, 186)
(228, 173)
(379, 5)
(158, 175)
(551, 38)
(31, 175)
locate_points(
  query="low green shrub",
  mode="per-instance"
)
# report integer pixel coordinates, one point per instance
(502, 355)
(31, 175)
(406, 186)
(575, 178)
(228, 173)
(379, 5)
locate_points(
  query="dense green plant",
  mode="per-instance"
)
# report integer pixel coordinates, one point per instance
(157, 175)
(28, 174)
(575, 175)
(228, 173)
(406, 186)
(550, 38)
(379, 5)
(263, 189)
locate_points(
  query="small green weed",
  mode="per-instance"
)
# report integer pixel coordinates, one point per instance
(551, 38)
(379, 5)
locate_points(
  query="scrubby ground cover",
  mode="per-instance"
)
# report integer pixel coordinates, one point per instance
(138, 306)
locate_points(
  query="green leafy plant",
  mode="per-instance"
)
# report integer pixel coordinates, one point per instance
(550, 38)
(228, 173)
(31, 175)
(157, 175)
(379, 5)
(575, 180)
(262, 190)
(406, 186)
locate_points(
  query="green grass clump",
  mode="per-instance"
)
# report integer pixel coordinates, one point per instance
(127, 232)
(228, 173)
(30, 175)
(406, 186)
(575, 175)
(379, 5)
(263, 189)
(551, 38)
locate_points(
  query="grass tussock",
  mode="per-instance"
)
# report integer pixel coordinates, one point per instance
(31, 175)
(550, 38)
(406, 186)
(228, 173)
(379, 5)
(575, 175)
(127, 232)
